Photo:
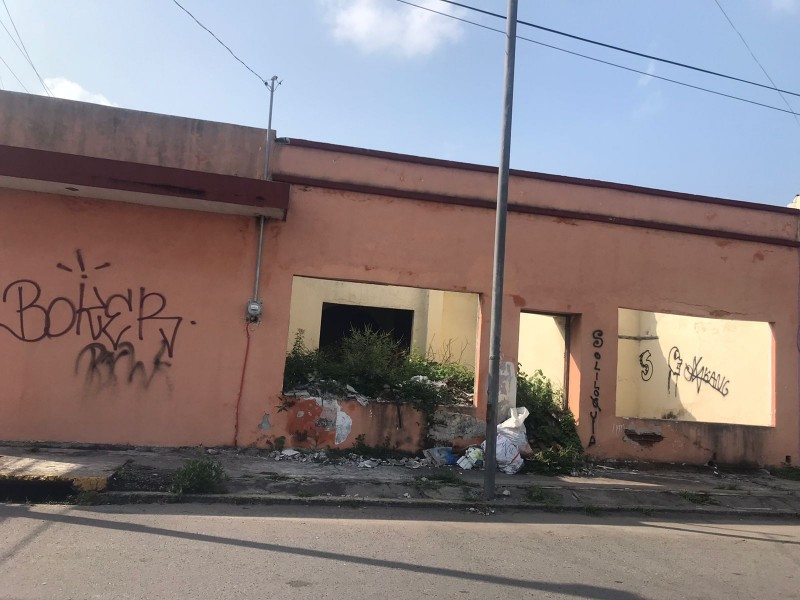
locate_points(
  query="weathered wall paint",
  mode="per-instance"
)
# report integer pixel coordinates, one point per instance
(583, 268)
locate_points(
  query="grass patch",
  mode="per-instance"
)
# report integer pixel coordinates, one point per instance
(539, 495)
(792, 473)
(199, 476)
(697, 497)
(592, 510)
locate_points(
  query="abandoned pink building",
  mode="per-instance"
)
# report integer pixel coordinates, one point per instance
(128, 249)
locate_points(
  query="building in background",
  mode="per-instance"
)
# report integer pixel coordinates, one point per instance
(128, 249)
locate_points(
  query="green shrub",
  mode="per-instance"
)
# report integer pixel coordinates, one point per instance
(301, 363)
(374, 364)
(550, 426)
(199, 476)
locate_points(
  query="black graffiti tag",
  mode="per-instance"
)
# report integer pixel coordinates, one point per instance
(646, 364)
(111, 318)
(597, 337)
(699, 374)
(101, 364)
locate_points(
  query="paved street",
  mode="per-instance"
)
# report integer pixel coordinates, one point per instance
(217, 551)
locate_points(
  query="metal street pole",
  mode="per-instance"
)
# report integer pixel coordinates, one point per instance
(500, 256)
(255, 307)
(271, 85)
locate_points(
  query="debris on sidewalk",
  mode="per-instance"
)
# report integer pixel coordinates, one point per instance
(473, 458)
(440, 456)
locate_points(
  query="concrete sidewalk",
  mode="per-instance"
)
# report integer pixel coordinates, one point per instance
(143, 475)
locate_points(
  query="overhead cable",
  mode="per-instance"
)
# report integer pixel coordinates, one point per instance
(23, 49)
(605, 62)
(264, 81)
(758, 62)
(621, 49)
(14, 74)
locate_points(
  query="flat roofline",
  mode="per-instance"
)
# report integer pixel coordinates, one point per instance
(451, 164)
(139, 183)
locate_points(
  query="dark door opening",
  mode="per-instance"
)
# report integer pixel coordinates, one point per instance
(338, 319)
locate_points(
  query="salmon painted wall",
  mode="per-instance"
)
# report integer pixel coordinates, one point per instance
(170, 286)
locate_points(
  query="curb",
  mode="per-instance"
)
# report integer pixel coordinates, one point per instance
(123, 498)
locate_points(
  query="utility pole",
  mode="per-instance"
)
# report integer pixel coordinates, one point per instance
(255, 306)
(500, 255)
(271, 86)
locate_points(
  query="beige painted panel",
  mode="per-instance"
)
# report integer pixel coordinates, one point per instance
(542, 346)
(694, 369)
(452, 327)
(445, 323)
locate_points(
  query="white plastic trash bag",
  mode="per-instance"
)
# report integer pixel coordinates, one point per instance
(514, 429)
(508, 457)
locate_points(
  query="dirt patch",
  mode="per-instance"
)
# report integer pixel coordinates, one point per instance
(131, 477)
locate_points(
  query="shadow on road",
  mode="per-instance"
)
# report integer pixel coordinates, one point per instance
(570, 589)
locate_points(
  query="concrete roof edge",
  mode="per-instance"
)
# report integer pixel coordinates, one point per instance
(565, 179)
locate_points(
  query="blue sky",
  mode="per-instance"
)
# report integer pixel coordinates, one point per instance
(378, 74)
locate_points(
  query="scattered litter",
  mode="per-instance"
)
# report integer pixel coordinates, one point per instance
(289, 452)
(506, 493)
(473, 457)
(442, 455)
(406, 495)
(368, 464)
(212, 451)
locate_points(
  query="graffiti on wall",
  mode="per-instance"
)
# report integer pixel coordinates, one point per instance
(115, 320)
(694, 372)
(597, 343)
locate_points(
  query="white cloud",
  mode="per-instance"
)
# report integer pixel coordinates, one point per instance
(61, 87)
(785, 5)
(392, 28)
(645, 79)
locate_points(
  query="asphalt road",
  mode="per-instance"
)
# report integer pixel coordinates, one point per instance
(220, 552)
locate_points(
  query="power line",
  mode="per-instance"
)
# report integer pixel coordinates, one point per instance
(605, 62)
(14, 74)
(264, 81)
(746, 45)
(23, 49)
(621, 49)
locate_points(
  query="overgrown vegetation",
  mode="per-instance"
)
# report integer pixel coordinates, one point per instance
(792, 473)
(550, 427)
(375, 365)
(199, 476)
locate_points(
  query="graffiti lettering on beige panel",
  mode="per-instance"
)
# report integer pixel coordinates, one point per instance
(597, 342)
(114, 319)
(692, 371)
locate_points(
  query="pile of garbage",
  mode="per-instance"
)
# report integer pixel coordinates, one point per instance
(327, 389)
(512, 443)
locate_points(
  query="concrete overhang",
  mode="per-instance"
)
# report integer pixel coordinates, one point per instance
(139, 183)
